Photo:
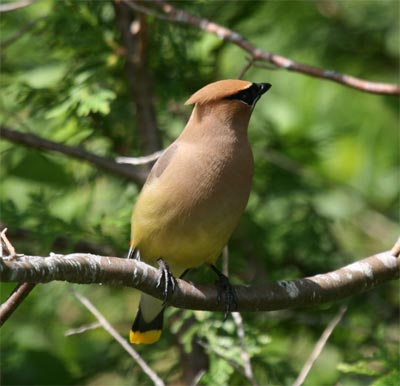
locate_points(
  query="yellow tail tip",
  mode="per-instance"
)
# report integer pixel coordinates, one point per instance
(147, 337)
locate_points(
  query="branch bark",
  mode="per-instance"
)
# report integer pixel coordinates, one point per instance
(256, 54)
(83, 268)
(138, 176)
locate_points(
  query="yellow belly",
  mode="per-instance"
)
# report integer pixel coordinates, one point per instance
(182, 239)
(186, 215)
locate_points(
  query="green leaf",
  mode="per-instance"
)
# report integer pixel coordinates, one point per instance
(44, 76)
(391, 379)
(361, 367)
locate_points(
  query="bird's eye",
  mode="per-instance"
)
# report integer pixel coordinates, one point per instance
(244, 96)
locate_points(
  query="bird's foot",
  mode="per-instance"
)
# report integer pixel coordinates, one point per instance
(165, 278)
(225, 287)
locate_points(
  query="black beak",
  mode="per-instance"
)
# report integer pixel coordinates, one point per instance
(259, 90)
(263, 87)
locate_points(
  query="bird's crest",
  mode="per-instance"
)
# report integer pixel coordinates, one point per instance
(218, 90)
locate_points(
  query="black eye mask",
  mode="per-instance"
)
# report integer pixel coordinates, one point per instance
(252, 94)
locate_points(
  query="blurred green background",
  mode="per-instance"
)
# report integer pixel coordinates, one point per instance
(325, 192)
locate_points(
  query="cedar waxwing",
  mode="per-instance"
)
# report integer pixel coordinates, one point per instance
(195, 194)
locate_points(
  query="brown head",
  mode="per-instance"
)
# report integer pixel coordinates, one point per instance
(229, 89)
(230, 101)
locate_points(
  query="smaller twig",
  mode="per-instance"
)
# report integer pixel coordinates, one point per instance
(235, 365)
(238, 320)
(82, 329)
(21, 291)
(265, 66)
(244, 354)
(140, 160)
(396, 248)
(125, 345)
(15, 5)
(250, 62)
(319, 346)
(10, 248)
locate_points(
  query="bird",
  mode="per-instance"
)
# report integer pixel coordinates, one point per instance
(195, 195)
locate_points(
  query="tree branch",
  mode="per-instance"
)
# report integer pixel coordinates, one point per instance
(33, 141)
(244, 353)
(83, 268)
(238, 320)
(20, 292)
(82, 329)
(147, 159)
(319, 346)
(180, 16)
(135, 42)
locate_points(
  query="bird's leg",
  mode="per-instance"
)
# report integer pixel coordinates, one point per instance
(167, 277)
(134, 253)
(224, 286)
(130, 252)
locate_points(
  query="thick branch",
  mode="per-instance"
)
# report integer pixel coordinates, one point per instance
(108, 165)
(82, 268)
(226, 34)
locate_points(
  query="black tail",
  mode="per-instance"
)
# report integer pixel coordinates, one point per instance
(146, 332)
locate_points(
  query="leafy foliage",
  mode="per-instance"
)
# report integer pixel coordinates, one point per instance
(325, 191)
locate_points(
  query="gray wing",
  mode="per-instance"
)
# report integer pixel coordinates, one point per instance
(162, 163)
